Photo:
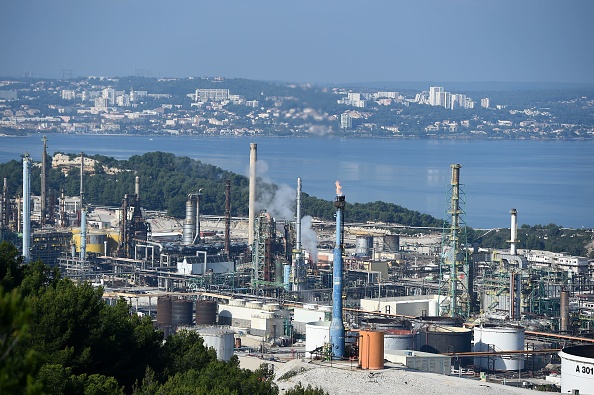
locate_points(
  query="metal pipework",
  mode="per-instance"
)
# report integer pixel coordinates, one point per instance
(337, 325)
(26, 208)
(514, 231)
(252, 197)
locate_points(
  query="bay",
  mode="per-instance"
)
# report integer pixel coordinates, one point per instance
(546, 181)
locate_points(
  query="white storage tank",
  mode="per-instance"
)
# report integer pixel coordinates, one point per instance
(222, 340)
(316, 335)
(272, 307)
(577, 369)
(499, 338)
(237, 302)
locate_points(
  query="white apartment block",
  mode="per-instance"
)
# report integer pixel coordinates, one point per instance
(346, 121)
(486, 102)
(204, 95)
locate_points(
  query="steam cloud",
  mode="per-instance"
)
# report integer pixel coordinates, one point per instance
(309, 238)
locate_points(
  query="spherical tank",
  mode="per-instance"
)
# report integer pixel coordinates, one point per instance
(399, 339)
(317, 333)
(163, 311)
(206, 312)
(392, 243)
(577, 369)
(363, 245)
(181, 312)
(371, 350)
(499, 338)
(221, 340)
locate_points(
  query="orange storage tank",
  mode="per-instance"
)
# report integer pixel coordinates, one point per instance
(371, 350)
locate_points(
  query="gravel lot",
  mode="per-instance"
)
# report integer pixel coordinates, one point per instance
(393, 380)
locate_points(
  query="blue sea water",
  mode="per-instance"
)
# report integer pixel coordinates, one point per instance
(546, 181)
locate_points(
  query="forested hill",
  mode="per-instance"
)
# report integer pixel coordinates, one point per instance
(166, 180)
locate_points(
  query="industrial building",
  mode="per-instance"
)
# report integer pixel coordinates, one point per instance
(427, 301)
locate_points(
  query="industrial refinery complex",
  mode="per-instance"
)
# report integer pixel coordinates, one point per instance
(347, 296)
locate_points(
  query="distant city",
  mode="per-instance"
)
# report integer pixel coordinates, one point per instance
(237, 107)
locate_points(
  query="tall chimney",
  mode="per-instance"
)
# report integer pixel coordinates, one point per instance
(564, 302)
(298, 261)
(514, 231)
(454, 229)
(43, 180)
(82, 168)
(337, 325)
(26, 208)
(137, 188)
(252, 197)
(83, 234)
(197, 237)
(5, 209)
(228, 217)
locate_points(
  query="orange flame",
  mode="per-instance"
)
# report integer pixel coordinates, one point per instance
(338, 189)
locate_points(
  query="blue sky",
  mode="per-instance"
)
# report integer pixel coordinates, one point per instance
(336, 41)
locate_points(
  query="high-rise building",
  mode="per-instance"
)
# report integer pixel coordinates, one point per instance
(486, 102)
(346, 121)
(435, 95)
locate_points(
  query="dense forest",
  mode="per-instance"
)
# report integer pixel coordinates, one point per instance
(58, 337)
(166, 180)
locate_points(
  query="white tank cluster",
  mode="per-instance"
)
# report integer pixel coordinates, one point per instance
(317, 334)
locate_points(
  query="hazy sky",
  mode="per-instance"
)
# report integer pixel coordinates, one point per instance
(303, 40)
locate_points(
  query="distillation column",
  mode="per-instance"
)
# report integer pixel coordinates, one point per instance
(298, 275)
(337, 325)
(514, 231)
(43, 181)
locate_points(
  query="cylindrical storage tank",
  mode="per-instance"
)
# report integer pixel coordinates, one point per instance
(254, 304)
(399, 339)
(577, 369)
(272, 307)
(383, 324)
(95, 242)
(222, 340)
(317, 334)
(163, 311)
(237, 302)
(392, 243)
(371, 350)
(182, 312)
(499, 338)
(438, 320)
(363, 245)
(446, 339)
(206, 312)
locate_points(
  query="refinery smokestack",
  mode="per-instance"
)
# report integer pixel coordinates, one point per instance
(26, 208)
(337, 325)
(5, 203)
(228, 217)
(83, 234)
(514, 231)
(564, 310)
(197, 237)
(137, 188)
(43, 180)
(252, 197)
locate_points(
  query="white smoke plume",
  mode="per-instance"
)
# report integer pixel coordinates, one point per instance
(279, 203)
(309, 238)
